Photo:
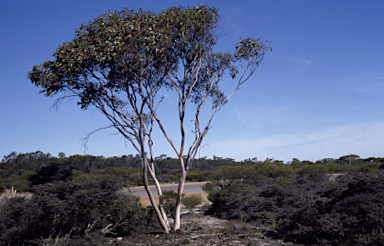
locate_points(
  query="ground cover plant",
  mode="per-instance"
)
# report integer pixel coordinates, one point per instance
(296, 200)
(75, 212)
(307, 210)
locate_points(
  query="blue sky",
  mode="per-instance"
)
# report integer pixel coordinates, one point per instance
(319, 94)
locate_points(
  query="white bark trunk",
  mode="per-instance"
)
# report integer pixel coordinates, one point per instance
(176, 226)
(160, 195)
(160, 213)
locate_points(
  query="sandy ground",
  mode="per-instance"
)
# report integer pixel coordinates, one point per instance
(198, 229)
(145, 201)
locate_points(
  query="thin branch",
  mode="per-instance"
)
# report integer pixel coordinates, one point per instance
(84, 141)
(57, 102)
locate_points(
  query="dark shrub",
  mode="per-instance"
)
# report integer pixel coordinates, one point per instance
(195, 176)
(313, 173)
(169, 202)
(53, 172)
(273, 170)
(21, 186)
(349, 211)
(2, 188)
(71, 209)
(228, 199)
(4, 173)
(26, 175)
(95, 240)
(192, 201)
(369, 167)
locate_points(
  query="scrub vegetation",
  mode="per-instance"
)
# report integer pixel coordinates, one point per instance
(76, 200)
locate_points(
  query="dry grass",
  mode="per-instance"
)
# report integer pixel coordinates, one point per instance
(8, 193)
(146, 202)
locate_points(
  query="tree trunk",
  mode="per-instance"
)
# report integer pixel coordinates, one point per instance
(161, 215)
(176, 226)
(161, 206)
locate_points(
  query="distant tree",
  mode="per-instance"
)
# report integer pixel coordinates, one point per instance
(161, 157)
(349, 158)
(29, 161)
(295, 161)
(121, 61)
(61, 155)
(9, 158)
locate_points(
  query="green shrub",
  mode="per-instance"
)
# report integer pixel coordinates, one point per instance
(136, 179)
(370, 168)
(14, 176)
(272, 170)
(169, 202)
(5, 180)
(88, 177)
(175, 172)
(72, 209)
(4, 173)
(2, 188)
(227, 200)
(164, 171)
(209, 186)
(314, 173)
(230, 172)
(51, 173)
(195, 176)
(26, 175)
(192, 201)
(339, 168)
(76, 173)
(174, 178)
(22, 186)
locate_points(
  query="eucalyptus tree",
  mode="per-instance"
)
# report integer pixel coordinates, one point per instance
(121, 61)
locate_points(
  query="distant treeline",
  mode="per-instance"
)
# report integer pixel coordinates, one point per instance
(21, 169)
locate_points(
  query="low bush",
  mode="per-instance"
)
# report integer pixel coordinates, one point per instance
(313, 173)
(26, 175)
(230, 173)
(169, 202)
(340, 168)
(369, 168)
(272, 170)
(174, 178)
(76, 173)
(349, 211)
(195, 177)
(2, 188)
(5, 180)
(4, 173)
(14, 176)
(51, 173)
(71, 210)
(95, 240)
(192, 201)
(22, 186)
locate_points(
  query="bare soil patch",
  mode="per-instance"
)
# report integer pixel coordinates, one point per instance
(200, 229)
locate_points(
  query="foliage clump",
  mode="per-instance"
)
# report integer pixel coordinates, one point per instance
(73, 210)
(2, 188)
(349, 211)
(50, 173)
(192, 201)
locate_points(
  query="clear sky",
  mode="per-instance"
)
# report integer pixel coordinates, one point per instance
(319, 94)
